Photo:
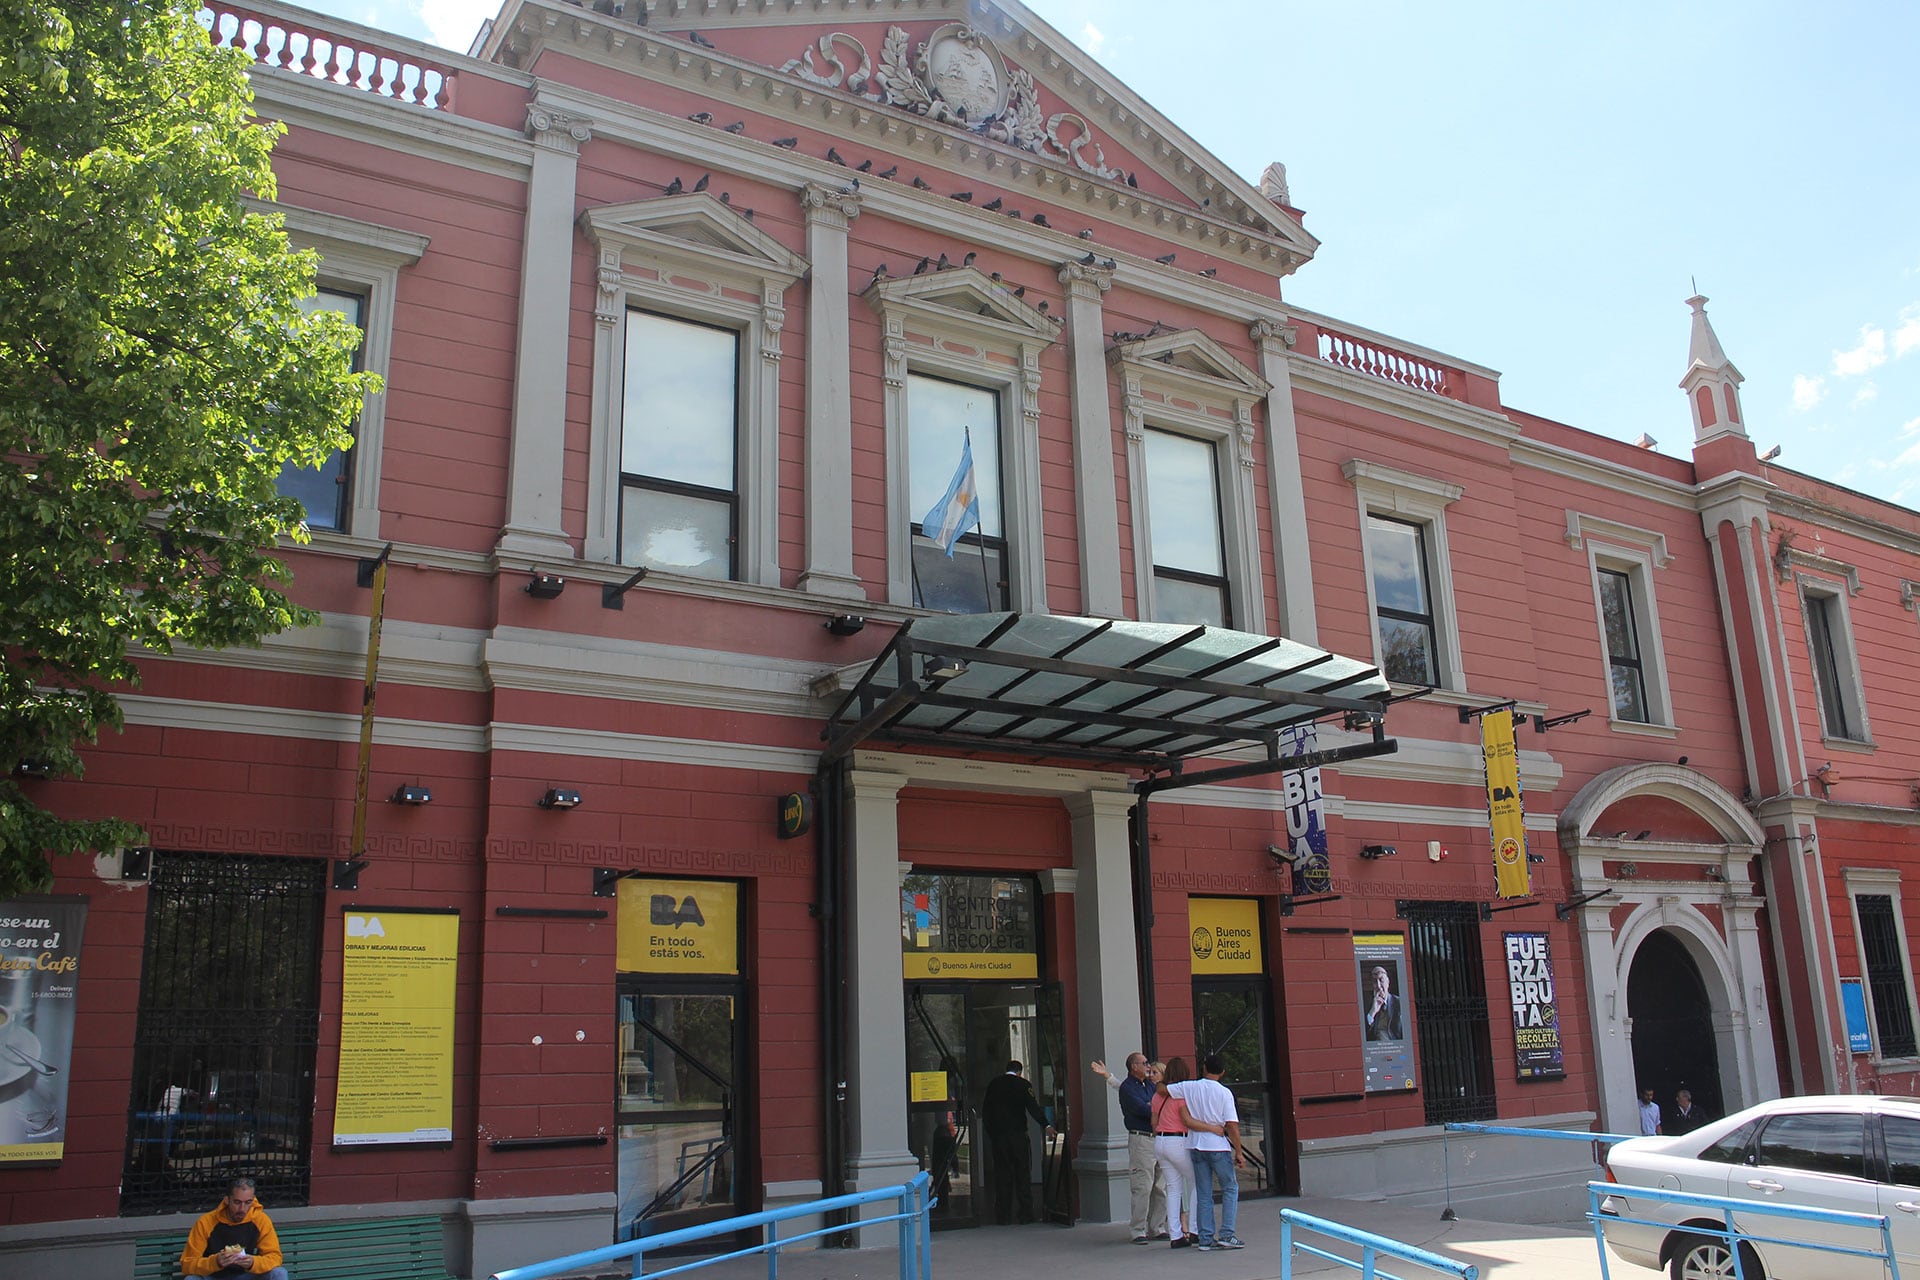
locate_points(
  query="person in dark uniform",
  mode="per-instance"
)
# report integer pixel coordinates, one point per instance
(1685, 1117)
(1003, 1114)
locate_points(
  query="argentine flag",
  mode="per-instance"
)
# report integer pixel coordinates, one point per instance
(958, 509)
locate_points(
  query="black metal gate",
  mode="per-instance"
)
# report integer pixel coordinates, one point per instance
(1450, 1010)
(229, 1017)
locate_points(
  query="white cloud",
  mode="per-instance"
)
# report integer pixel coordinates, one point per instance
(1092, 39)
(1908, 456)
(1910, 427)
(454, 23)
(1808, 392)
(1907, 337)
(1870, 354)
(1867, 394)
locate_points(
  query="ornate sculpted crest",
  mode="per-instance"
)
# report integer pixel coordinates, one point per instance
(956, 77)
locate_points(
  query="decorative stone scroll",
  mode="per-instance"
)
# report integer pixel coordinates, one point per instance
(955, 77)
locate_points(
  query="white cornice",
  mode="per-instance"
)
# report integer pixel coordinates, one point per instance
(630, 671)
(290, 722)
(701, 753)
(411, 653)
(1826, 516)
(1420, 408)
(1561, 461)
(342, 111)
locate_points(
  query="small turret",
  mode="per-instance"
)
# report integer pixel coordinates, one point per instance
(1712, 383)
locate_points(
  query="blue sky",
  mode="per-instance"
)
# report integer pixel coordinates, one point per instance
(1534, 187)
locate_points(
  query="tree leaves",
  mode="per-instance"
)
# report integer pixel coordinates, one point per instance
(156, 374)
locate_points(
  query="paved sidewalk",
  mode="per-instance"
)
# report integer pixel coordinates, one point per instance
(1100, 1251)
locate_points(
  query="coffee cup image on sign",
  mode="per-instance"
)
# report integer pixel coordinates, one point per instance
(1380, 1000)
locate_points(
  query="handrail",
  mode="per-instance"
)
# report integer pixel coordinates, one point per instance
(916, 1249)
(1598, 1141)
(1371, 1246)
(1727, 1206)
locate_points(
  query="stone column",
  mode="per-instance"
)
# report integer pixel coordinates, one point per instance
(829, 470)
(1096, 509)
(1286, 495)
(1109, 1009)
(877, 1150)
(538, 454)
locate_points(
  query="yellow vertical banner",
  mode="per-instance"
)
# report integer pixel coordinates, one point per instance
(1505, 814)
(396, 1027)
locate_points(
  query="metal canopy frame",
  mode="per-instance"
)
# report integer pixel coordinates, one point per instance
(1146, 696)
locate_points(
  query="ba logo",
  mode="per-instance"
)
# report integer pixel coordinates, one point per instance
(1503, 793)
(1202, 943)
(1509, 852)
(365, 927)
(663, 910)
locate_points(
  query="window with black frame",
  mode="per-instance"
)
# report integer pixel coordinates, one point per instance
(1183, 510)
(1403, 600)
(953, 448)
(1626, 673)
(1450, 1011)
(327, 492)
(679, 444)
(1887, 987)
(1833, 668)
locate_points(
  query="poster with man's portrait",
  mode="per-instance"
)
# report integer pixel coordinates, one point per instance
(1386, 1016)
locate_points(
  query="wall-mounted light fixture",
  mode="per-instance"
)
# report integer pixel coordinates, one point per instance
(32, 768)
(1374, 851)
(546, 586)
(846, 624)
(1713, 873)
(1770, 454)
(941, 670)
(412, 795)
(1282, 857)
(560, 798)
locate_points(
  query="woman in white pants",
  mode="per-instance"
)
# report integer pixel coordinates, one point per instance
(1170, 1125)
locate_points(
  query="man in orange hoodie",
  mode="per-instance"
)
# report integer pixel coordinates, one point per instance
(236, 1239)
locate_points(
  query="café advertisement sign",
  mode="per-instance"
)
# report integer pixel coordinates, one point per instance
(958, 926)
(39, 979)
(396, 1027)
(1536, 1018)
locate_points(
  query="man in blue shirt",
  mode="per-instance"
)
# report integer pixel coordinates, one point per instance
(1145, 1176)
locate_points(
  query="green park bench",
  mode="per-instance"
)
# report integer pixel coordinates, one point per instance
(391, 1248)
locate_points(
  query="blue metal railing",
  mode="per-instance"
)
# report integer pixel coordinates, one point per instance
(1726, 1207)
(1372, 1249)
(1598, 1141)
(914, 1200)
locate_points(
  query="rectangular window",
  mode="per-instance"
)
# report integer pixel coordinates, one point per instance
(1403, 600)
(327, 493)
(1450, 1011)
(679, 500)
(1183, 511)
(945, 422)
(1832, 666)
(1887, 988)
(1625, 672)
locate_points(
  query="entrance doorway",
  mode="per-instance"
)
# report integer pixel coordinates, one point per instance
(960, 1037)
(1233, 1017)
(1673, 1035)
(682, 1056)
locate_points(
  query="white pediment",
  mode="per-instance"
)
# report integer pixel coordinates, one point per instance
(1189, 354)
(694, 225)
(963, 297)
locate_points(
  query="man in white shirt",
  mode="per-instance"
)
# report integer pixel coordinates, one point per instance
(1649, 1113)
(1215, 1156)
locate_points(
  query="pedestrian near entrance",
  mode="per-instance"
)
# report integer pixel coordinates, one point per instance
(1649, 1113)
(1686, 1116)
(1144, 1176)
(1170, 1135)
(1214, 1147)
(1004, 1111)
(235, 1239)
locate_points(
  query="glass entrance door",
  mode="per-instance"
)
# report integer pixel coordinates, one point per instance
(680, 1061)
(1232, 1017)
(960, 1037)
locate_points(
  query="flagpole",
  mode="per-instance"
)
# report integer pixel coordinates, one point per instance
(986, 584)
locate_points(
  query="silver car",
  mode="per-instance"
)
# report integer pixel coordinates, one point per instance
(1858, 1154)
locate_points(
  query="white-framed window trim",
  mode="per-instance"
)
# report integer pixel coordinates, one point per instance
(692, 258)
(1881, 882)
(1185, 383)
(1833, 661)
(1383, 490)
(959, 325)
(363, 259)
(1635, 554)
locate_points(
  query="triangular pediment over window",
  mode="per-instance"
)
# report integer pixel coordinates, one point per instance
(1192, 353)
(695, 226)
(965, 296)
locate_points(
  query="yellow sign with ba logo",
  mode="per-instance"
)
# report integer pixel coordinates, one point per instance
(1505, 814)
(1224, 934)
(678, 926)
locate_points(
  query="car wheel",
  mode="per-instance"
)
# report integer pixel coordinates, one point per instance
(1706, 1258)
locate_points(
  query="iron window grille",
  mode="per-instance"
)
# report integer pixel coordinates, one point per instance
(1886, 976)
(225, 1038)
(1450, 1011)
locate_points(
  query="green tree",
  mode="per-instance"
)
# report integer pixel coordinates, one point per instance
(156, 374)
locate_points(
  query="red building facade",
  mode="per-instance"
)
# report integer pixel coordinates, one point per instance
(723, 302)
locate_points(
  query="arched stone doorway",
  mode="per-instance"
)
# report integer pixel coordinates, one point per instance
(1672, 1021)
(1685, 880)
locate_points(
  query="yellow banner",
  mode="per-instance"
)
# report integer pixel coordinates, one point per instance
(970, 964)
(396, 1028)
(1224, 934)
(678, 926)
(1505, 815)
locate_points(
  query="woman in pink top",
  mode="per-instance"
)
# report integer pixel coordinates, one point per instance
(1170, 1126)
